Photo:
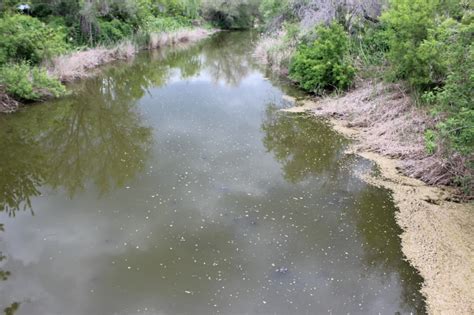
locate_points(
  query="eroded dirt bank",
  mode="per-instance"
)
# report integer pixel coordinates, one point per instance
(438, 237)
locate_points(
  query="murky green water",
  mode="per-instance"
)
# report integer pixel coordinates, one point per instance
(172, 185)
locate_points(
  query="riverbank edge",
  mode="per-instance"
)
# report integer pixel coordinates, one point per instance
(85, 63)
(438, 234)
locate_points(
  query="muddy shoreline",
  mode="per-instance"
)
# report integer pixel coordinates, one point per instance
(438, 234)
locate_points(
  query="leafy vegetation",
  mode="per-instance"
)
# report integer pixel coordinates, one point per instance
(29, 83)
(324, 63)
(426, 45)
(431, 47)
(239, 14)
(51, 28)
(27, 38)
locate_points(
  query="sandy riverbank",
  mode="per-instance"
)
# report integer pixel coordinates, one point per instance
(438, 237)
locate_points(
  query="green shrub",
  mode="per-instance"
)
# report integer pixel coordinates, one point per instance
(323, 65)
(186, 8)
(29, 83)
(27, 38)
(452, 48)
(370, 45)
(237, 14)
(166, 24)
(431, 47)
(113, 31)
(273, 8)
(430, 141)
(408, 23)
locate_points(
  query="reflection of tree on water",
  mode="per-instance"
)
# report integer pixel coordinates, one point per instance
(9, 310)
(96, 136)
(229, 57)
(100, 139)
(303, 147)
(306, 148)
(3, 274)
(22, 167)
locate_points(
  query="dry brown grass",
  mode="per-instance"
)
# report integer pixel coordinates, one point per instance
(79, 64)
(158, 40)
(438, 231)
(272, 51)
(388, 123)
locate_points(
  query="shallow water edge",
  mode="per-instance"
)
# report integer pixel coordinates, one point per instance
(438, 234)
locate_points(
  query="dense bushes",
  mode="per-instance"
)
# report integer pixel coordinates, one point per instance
(323, 64)
(27, 38)
(166, 24)
(453, 52)
(425, 45)
(51, 28)
(113, 31)
(408, 23)
(431, 47)
(272, 8)
(29, 83)
(238, 14)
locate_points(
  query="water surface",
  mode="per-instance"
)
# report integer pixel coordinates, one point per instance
(172, 184)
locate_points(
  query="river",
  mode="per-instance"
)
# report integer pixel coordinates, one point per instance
(172, 184)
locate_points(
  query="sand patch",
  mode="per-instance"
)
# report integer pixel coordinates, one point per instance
(437, 237)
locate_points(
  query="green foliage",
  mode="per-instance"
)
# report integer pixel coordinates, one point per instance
(272, 8)
(29, 83)
(458, 129)
(323, 65)
(27, 38)
(113, 31)
(239, 14)
(292, 33)
(185, 8)
(370, 44)
(430, 141)
(408, 23)
(431, 47)
(450, 44)
(166, 24)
